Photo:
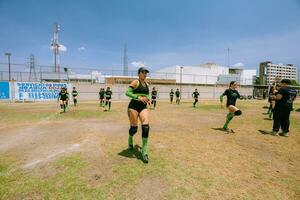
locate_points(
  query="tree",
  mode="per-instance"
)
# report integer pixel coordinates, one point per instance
(294, 82)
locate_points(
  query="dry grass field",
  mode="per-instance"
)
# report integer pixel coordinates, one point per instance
(82, 154)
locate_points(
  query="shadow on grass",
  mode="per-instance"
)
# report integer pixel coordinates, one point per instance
(265, 132)
(132, 153)
(223, 130)
(267, 118)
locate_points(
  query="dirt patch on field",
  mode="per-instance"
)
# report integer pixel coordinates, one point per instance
(151, 188)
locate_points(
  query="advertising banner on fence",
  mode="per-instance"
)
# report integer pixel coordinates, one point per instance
(4, 91)
(38, 91)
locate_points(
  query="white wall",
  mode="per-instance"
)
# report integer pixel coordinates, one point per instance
(200, 74)
(247, 76)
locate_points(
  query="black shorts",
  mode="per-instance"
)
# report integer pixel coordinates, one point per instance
(137, 105)
(63, 99)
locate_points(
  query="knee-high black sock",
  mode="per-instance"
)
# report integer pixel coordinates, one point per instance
(145, 134)
(109, 105)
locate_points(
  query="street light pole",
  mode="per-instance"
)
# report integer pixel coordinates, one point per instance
(8, 56)
(181, 67)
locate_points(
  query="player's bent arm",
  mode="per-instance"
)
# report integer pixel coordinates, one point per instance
(277, 97)
(129, 91)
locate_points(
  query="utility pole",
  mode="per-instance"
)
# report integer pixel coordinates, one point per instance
(228, 57)
(181, 67)
(9, 71)
(125, 61)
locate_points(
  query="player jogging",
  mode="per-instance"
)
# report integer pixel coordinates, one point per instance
(232, 95)
(138, 91)
(171, 96)
(74, 94)
(101, 97)
(153, 97)
(195, 95)
(63, 97)
(177, 93)
(108, 94)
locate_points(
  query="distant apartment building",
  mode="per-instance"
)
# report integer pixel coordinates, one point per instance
(269, 72)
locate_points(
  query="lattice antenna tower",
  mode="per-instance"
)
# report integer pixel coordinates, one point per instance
(55, 47)
(32, 73)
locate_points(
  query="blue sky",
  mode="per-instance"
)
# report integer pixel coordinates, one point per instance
(158, 33)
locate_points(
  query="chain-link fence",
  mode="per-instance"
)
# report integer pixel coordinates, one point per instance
(41, 73)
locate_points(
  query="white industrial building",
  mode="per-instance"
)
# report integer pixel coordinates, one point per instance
(209, 73)
(269, 72)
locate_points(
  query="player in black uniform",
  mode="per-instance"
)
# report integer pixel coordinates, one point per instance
(293, 93)
(177, 93)
(108, 94)
(74, 94)
(282, 109)
(171, 96)
(232, 95)
(63, 96)
(153, 97)
(273, 92)
(101, 97)
(195, 95)
(138, 91)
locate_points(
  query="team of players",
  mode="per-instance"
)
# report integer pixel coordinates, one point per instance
(105, 97)
(280, 105)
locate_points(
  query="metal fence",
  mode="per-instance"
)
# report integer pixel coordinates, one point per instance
(22, 72)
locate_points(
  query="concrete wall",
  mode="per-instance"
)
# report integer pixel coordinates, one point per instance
(88, 91)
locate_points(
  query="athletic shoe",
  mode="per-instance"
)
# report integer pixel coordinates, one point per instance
(228, 130)
(274, 133)
(285, 134)
(145, 158)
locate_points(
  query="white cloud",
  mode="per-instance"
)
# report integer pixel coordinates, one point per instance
(138, 64)
(81, 49)
(61, 47)
(239, 64)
